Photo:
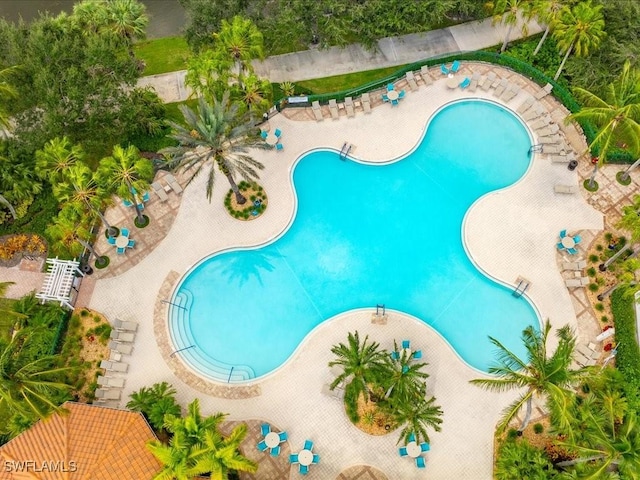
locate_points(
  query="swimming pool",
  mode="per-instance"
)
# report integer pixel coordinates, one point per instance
(365, 235)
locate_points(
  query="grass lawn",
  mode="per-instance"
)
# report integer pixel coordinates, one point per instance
(338, 83)
(174, 114)
(163, 54)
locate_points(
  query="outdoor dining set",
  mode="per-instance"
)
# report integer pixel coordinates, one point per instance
(414, 450)
(122, 241)
(568, 242)
(272, 138)
(392, 95)
(271, 441)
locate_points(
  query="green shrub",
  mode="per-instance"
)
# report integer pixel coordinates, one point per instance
(591, 271)
(512, 433)
(628, 353)
(521, 460)
(538, 428)
(593, 258)
(599, 307)
(599, 248)
(604, 319)
(594, 287)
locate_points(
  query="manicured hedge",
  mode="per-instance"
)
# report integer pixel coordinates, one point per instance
(561, 93)
(61, 331)
(628, 352)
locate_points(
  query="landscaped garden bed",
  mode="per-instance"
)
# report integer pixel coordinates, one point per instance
(14, 247)
(255, 205)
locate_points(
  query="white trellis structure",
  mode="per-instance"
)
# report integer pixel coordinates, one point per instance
(60, 281)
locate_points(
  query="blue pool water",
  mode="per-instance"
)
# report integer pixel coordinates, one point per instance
(366, 235)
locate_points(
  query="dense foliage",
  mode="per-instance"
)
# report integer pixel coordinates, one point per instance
(294, 25)
(628, 352)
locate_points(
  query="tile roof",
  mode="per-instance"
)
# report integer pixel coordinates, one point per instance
(86, 442)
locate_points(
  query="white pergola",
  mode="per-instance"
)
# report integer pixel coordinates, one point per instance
(59, 282)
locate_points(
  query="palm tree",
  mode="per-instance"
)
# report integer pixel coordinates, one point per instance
(416, 416)
(128, 20)
(579, 29)
(629, 221)
(506, 11)
(126, 173)
(217, 455)
(361, 364)
(218, 137)
(80, 191)
(175, 459)
(549, 376)
(625, 278)
(547, 12)
(155, 403)
(70, 234)
(255, 93)
(607, 437)
(28, 387)
(616, 114)
(89, 15)
(56, 157)
(405, 380)
(193, 426)
(237, 43)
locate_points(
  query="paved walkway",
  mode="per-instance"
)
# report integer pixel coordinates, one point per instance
(531, 215)
(390, 52)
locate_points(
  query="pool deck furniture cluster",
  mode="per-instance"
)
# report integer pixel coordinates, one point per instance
(305, 457)
(517, 242)
(414, 450)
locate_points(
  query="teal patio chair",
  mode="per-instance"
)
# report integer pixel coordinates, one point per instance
(444, 69)
(277, 132)
(577, 239)
(406, 343)
(455, 66)
(120, 251)
(424, 447)
(265, 428)
(127, 203)
(131, 243)
(308, 445)
(560, 246)
(262, 446)
(385, 98)
(111, 240)
(572, 251)
(417, 354)
(395, 102)
(401, 94)
(563, 233)
(303, 469)
(263, 134)
(420, 462)
(465, 83)
(275, 451)
(403, 451)
(316, 458)
(293, 458)
(283, 436)
(124, 232)
(279, 146)
(145, 197)
(390, 87)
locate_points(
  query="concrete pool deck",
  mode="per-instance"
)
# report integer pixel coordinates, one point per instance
(517, 241)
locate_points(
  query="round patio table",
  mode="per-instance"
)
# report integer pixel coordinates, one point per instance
(392, 95)
(305, 457)
(413, 449)
(271, 139)
(568, 242)
(272, 439)
(453, 82)
(122, 241)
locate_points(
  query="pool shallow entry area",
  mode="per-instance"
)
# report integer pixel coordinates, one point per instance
(365, 235)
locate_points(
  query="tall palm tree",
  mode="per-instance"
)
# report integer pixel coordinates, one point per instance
(255, 93)
(176, 459)
(405, 379)
(579, 29)
(507, 12)
(416, 416)
(128, 20)
(70, 234)
(362, 363)
(549, 376)
(218, 137)
(616, 114)
(80, 191)
(56, 157)
(548, 12)
(126, 173)
(89, 15)
(27, 386)
(629, 221)
(155, 403)
(217, 455)
(193, 426)
(237, 43)
(607, 437)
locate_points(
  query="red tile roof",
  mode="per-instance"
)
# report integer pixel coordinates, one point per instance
(86, 442)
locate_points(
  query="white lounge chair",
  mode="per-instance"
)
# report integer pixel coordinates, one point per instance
(116, 382)
(587, 352)
(565, 188)
(474, 82)
(411, 80)
(114, 366)
(126, 326)
(511, 91)
(123, 348)
(175, 186)
(577, 282)
(502, 86)
(488, 81)
(578, 265)
(159, 191)
(122, 336)
(108, 393)
(526, 105)
(424, 73)
(348, 104)
(317, 110)
(366, 102)
(333, 108)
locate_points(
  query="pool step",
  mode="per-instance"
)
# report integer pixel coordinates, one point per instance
(182, 337)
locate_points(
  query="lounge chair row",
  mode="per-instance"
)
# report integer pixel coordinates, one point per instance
(577, 282)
